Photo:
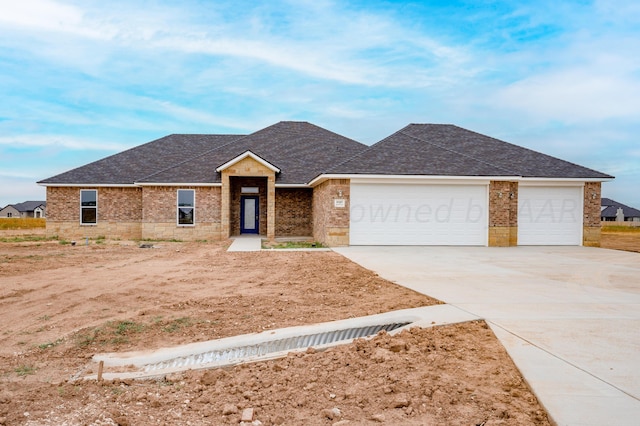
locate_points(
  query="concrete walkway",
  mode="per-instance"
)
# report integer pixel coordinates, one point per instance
(568, 316)
(246, 243)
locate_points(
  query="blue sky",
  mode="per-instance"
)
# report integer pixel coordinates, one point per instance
(80, 80)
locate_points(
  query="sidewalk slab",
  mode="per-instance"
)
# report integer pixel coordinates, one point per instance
(570, 395)
(245, 243)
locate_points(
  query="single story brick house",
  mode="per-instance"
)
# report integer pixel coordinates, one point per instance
(427, 184)
(27, 209)
(612, 210)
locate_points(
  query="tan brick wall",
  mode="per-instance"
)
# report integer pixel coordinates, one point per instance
(169, 231)
(591, 212)
(114, 204)
(63, 204)
(160, 220)
(330, 223)
(503, 214)
(112, 230)
(160, 203)
(119, 213)
(294, 216)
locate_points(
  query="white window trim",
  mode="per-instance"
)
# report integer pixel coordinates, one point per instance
(178, 207)
(88, 207)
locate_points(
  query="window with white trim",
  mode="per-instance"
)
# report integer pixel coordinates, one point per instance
(88, 206)
(186, 209)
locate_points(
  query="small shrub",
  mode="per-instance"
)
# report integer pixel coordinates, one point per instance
(124, 327)
(177, 324)
(111, 333)
(50, 345)
(87, 339)
(25, 370)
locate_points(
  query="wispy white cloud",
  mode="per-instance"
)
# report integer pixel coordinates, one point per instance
(61, 141)
(333, 44)
(574, 96)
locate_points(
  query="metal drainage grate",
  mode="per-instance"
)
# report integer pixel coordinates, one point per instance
(235, 354)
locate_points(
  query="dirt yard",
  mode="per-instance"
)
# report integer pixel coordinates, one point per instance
(61, 304)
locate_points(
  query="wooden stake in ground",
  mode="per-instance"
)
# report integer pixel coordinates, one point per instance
(100, 368)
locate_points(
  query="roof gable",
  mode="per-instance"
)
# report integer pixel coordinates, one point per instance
(247, 154)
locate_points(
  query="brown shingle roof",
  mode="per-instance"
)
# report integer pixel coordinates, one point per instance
(136, 163)
(300, 150)
(448, 150)
(611, 209)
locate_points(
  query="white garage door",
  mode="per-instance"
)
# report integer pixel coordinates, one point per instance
(549, 215)
(417, 214)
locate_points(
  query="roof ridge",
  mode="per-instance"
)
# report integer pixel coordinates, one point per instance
(197, 156)
(368, 147)
(210, 150)
(454, 151)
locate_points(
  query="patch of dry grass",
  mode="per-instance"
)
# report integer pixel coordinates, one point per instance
(620, 228)
(22, 223)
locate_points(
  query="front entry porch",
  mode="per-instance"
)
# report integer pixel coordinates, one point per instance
(248, 197)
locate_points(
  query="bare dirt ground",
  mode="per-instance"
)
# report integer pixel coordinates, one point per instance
(61, 304)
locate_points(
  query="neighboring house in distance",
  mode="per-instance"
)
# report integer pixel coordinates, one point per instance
(615, 211)
(9, 211)
(427, 184)
(33, 209)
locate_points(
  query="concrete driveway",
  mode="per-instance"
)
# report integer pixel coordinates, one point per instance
(568, 316)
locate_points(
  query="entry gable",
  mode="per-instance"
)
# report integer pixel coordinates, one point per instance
(251, 155)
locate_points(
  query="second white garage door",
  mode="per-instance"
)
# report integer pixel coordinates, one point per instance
(549, 215)
(418, 214)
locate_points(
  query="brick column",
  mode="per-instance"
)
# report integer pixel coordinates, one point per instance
(331, 223)
(591, 210)
(503, 214)
(271, 207)
(225, 226)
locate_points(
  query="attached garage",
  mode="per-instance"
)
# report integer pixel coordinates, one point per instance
(550, 215)
(384, 213)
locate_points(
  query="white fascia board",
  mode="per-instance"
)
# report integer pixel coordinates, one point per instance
(362, 178)
(558, 181)
(421, 180)
(245, 155)
(176, 184)
(292, 185)
(416, 179)
(93, 185)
